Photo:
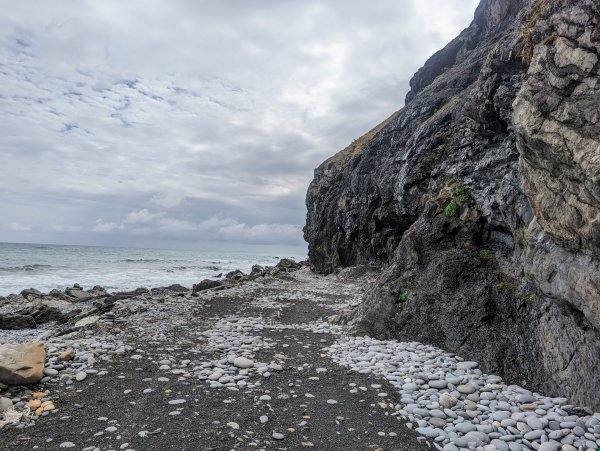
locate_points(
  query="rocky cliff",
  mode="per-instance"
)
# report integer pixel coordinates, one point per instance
(480, 200)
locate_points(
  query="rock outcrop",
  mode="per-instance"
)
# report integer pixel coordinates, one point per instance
(480, 200)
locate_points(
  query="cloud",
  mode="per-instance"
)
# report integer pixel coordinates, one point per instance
(142, 216)
(215, 228)
(104, 227)
(201, 119)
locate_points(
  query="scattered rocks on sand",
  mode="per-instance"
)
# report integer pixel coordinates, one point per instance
(242, 356)
(455, 405)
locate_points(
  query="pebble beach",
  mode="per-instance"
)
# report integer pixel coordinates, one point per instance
(261, 363)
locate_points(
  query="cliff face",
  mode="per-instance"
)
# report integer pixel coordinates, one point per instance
(481, 200)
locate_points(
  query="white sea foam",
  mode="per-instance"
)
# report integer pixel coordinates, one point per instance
(45, 267)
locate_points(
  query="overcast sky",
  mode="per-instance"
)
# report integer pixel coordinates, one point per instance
(193, 123)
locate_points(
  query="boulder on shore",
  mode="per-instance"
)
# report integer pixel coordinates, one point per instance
(234, 275)
(288, 263)
(10, 321)
(22, 363)
(42, 313)
(256, 269)
(205, 285)
(31, 293)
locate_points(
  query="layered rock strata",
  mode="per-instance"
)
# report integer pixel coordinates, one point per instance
(480, 200)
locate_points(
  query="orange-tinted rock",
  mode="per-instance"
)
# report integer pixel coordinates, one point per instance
(34, 404)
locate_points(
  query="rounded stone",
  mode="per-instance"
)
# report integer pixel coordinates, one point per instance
(548, 446)
(437, 422)
(5, 404)
(243, 362)
(81, 376)
(465, 427)
(438, 384)
(466, 389)
(466, 365)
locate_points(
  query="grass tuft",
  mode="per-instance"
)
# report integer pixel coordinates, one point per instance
(450, 210)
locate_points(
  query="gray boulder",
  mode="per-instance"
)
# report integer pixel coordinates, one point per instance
(234, 275)
(256, 269)
(288, 263)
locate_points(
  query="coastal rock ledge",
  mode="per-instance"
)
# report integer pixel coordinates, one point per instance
(480, 199)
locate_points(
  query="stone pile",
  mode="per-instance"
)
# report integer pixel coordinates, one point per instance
(453, 404)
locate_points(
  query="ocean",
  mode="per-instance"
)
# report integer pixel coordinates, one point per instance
(47, 266)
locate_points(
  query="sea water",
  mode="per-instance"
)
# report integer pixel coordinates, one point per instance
(46, 266)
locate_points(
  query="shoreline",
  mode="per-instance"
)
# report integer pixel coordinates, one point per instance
(48, 267)
(172, 356)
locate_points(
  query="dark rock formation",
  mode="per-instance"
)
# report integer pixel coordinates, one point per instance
(481, 200)
(288, 263)
(130, 294)
(10, 321)
(176, 288)
(31, 294)
(234, 275)
(42, 313)
(256, 269)
(206, 284)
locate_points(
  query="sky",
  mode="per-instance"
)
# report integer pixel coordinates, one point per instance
(193, 124)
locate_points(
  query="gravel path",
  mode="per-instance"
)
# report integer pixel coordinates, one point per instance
(259, 367)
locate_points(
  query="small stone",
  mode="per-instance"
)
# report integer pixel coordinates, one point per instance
(438, 384)
(264, 419)
(243, 362)
(67, 445)
(437, 423)
(5, 404)
(331, 401)
(33, 404)
(51, 372)
(466, 365)
(466, 389)
(465, 427)
(233, 425)
(177, 401)
(81, 376)
(447, 400)
(534, 423)
(548, 446)
(67, 355)
(277, 435)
